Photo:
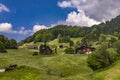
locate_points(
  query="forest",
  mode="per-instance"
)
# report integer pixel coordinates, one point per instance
(109, 27)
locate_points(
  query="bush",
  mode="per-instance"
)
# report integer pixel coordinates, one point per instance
(112, 40)
(35, 53)
(102, 38)
(113, 55)
(71, 43)
(102, 57)
(117, 46)
(78, 43)
(69, 50)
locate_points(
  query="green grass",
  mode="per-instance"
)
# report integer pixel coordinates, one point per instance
(26, 44)
(53, 67)
(24, 73)
(44, 67)
(110, 73)
(53, 42)
(58, 66)
(76, 39)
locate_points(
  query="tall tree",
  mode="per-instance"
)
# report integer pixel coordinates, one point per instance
(13, 44)
(2, 47)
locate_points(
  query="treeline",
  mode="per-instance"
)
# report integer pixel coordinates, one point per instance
(6, 43)
(109, 27)
(52, 33)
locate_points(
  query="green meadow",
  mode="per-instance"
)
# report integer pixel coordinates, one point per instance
(44, 67)
(59, 66)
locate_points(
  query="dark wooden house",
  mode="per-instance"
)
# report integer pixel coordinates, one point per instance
(44, 49)
(84, 49)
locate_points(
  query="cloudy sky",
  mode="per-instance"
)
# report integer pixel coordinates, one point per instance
(21, 18)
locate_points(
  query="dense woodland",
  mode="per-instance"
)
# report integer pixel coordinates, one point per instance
(109, 27)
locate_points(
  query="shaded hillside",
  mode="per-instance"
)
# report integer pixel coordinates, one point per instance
(109, 27)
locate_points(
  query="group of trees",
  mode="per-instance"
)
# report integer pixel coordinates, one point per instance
(5, 43)
(46, 35)
(63, 39)
(104, 55)
(92, 36)
(2, 47)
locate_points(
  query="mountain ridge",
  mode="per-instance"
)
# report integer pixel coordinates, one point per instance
(111, 27)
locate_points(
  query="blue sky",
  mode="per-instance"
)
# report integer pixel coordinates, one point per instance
(30, 12)
(27, 13)
(21, 18)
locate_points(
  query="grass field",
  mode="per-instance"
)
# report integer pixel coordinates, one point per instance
(59, 66)
(53, 67)
(44, 67)
(110, 73)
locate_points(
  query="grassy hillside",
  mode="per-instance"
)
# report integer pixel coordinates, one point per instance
(53, 67)
(49, 67)
(59, 66)
(110, 73)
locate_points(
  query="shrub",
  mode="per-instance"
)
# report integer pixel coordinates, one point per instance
(113, 55)
(102, 57)
(35, 53)
(102, 38)
(112, 40)
(69, 50)
(78, 43)
(117, 46)
(71, 43)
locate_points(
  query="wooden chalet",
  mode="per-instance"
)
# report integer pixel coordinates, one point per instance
(84, 49)
(44, 49)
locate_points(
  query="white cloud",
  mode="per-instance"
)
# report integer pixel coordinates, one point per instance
(22, 28)
(70, 3)
(80, 18)
(39, 27)
(5, 27)
(98, 10)
(64, 4)
(3, 8)
(23, 31)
